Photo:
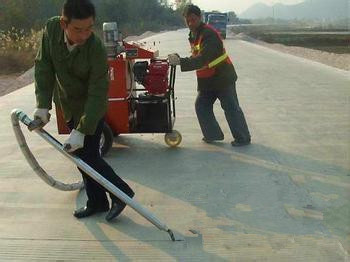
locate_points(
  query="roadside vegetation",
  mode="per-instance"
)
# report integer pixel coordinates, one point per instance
(21, 22)
(18, 49)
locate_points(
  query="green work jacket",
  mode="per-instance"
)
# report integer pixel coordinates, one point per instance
(77, 81)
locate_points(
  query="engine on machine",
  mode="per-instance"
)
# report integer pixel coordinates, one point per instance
(153, 76)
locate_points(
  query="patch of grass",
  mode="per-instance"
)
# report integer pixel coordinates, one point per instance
(18, 50)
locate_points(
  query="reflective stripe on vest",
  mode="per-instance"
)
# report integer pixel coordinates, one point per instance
(218, 60)
(196, 48)
(215, 61)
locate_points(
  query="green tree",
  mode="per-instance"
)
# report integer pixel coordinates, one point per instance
(132, 16)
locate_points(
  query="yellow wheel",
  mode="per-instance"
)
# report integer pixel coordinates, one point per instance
(173, 139)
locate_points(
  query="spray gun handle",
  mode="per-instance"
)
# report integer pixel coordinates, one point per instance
(35, 124)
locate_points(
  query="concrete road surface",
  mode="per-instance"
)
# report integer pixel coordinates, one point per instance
(283, 198)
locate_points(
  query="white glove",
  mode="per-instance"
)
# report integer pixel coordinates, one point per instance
(174, 59)
(42, 114)
(74, 141)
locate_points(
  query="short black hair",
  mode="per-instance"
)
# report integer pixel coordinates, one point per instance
(191, 9)
(78, 9)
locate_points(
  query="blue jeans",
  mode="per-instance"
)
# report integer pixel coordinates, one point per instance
(90, 154)
(233, 113)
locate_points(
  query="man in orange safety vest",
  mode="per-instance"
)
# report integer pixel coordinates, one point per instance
(216, 78)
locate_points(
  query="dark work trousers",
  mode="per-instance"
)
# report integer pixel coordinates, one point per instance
(90, 154)
(233, 113)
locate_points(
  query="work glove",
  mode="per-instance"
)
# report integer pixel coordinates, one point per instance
(74, 141)
(42, 114)
(174, 59)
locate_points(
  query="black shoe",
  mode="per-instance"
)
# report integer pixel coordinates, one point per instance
(240, 143)
(117, 207)
(88, 211)
(208, 141)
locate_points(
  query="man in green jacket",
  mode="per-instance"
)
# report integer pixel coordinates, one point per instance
(216, 77)
(71, 68)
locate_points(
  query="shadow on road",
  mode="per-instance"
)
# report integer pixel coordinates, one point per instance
(219, 179)
(249, 186)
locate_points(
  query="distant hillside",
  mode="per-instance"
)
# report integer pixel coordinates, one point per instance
(309, 9)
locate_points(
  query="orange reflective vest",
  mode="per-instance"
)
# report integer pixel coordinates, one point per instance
(209, 69)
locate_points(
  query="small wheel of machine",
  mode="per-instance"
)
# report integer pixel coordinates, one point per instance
(106, 140)
(173, 139)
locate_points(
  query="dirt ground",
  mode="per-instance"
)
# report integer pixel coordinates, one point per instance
(10, 83)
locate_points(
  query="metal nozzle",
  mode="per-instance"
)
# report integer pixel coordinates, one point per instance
(171, 235)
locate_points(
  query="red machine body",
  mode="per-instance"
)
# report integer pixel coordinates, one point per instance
(120, 89)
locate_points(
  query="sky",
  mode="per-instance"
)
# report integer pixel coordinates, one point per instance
(238, 6)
